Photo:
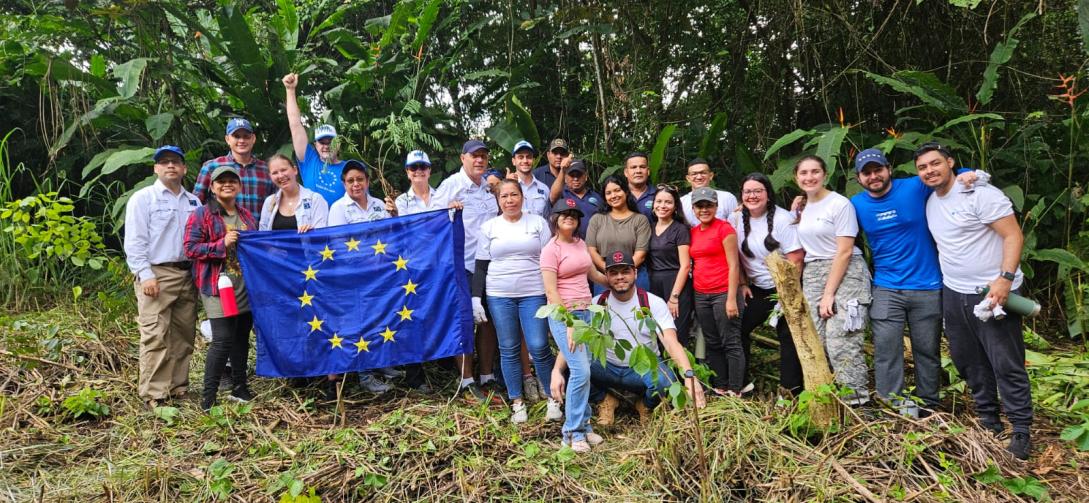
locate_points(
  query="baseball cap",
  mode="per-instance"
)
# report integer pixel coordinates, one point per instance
(238, 123)
(617, 259)
(166, 149)
(223, 170)
(932, 146)
(558, 143)
(704, 195)
(868, 156)
(521, 145)
(472, 146)
(566, 204)
(576, 166)
(325, 131)
(356, 164)
(417, 157)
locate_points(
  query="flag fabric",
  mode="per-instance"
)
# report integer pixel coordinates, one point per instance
(359, 296)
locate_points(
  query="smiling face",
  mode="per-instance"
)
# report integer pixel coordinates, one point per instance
(575, 181)
(567, 222)
(699, 175)
(705, 211)
(510, 198)
(755, 197)
(324, 147)
(875, 178)
(475, 164)
(170, 168)
(226, 188)
(615, 196)
(241, 142)
(637, 170)
(621, 278)
(356, 183)
(664, 205)
(283, 173)
(935, 169)
(810, 176)
(523, 161)
(418, 173)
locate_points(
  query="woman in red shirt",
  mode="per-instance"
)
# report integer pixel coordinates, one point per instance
(715, 279)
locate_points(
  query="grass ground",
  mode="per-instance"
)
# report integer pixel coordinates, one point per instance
(410, 447)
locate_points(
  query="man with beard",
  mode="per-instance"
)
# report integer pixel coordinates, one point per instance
(319, 166)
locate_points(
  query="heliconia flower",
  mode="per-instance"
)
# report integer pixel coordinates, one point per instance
(894, 133)
(1069, 84)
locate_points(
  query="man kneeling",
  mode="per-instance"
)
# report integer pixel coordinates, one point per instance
(622, 300)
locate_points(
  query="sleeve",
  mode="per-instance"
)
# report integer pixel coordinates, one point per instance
(991, 204)
(550, 257)
(196, 245)
(484, 243)
(446, 192)
(321, 212)
(786, 232)
(727, 203)
(306, 164)
(266, 213)
(846, 221)
(545, 234)
(336, 215)
(480, 277)
(204, 180)
(660, 311)
(642, 234)
(592, 229)
(683, 236)
(137, 238)
(402, 203)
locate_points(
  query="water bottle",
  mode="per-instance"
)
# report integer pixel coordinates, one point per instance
(1017, 304)
(226, 296)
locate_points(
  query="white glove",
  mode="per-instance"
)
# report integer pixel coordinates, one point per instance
(854, 319)
(478, 311)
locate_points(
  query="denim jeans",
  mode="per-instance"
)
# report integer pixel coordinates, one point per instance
(509, 314)
(922, 311)
(576, 407)
(624, 378)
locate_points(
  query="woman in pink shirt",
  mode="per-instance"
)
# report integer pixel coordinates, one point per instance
(565, 266)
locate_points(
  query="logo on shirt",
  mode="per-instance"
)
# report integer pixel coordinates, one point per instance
(306, 205)
(570, 202)
(886, 215)
(648, 204)
(593, 200)
(193, 203)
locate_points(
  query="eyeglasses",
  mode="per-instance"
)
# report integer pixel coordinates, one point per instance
(418, 167)
(666, 186)
(353, 181)
(753, 192)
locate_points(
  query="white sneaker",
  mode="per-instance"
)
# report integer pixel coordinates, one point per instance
(372, 383)
(390, 373)
(555, 411)
(594, 439)
(519, 414)
(747, 389)
(579, 446)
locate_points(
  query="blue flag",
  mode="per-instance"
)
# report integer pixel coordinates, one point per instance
(359, 296)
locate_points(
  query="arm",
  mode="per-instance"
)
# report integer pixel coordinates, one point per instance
(642, 242)
(556, 190)
(137, 239)
(591, 236)
(480, 277)
(1012, 242)
(597, 277)
(682, 278)
(730, 246)
(551, 286)
(558, 381)
(680, 359)
(294, 117)
(196, 245)
(844, 247)
(796, 257)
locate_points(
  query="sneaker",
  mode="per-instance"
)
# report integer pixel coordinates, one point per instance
(530, 389)
(390, 373)
(241, 394)
(473, 393)
(579, 446)
(226, 382)
(519, 414)
(1020, 445)
(594, 439)
(372, 384)
(606, 410)
(555, 411)
(207, 402)
(995, 426)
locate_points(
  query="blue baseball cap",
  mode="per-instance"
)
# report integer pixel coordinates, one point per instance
(869, 156)
(238, 123)
(325, 131)
(165, 149)
(472, 146)
(417, 157)
(521, 145)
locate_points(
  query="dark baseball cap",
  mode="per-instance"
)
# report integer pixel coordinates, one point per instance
(566, 204)
(704, 195)
(576, 166)
(472, 146)
(870, 156)
(617, 259)
(558, 143)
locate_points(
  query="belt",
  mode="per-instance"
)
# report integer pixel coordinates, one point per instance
(183, 265)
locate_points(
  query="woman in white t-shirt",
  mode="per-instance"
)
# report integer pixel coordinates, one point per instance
(508, 274)
(762, 228)
(836, 280)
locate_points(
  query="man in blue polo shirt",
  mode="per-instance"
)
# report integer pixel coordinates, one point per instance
(577, 188)
(637, 171)
(319, 166)
(907, 279)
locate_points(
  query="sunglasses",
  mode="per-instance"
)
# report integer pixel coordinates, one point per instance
(418, 167)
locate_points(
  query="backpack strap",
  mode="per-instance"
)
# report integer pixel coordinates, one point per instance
(644, 301)
(603, 298)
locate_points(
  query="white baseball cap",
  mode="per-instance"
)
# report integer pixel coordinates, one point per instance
(325, 131)
(417, 157)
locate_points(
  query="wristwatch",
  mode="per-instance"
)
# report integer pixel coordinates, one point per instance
(688, 373)
(1008, 275)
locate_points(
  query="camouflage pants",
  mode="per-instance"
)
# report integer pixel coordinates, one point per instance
(843, 345)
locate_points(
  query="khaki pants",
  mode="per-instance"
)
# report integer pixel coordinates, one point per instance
(167, 328)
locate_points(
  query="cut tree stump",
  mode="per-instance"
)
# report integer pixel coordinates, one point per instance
(815, 367)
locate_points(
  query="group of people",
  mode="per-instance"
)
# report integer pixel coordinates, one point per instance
(541, 235)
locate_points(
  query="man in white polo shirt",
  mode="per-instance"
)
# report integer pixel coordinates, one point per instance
(166, 297)
(470, 190)
(699, 174)
(979, 246)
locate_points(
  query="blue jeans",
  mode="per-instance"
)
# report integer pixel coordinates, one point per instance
(576, 407)
(624, 378)
(509, 314)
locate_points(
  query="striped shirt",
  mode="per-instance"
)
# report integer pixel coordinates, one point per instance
(256, 182)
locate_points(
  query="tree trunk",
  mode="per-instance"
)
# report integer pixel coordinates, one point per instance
(815, 367)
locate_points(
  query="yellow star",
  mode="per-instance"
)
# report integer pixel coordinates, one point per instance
(315, 324)
(352, 244)
(335, 341)
(326, 254)
(409, 287)
(406, 313)
(305, 299)
(400, 263)
(379, 247)
(387, 336)
(310, 273)
(362, 345)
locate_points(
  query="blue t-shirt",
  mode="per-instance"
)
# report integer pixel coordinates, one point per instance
(904, 254)
(320, 177)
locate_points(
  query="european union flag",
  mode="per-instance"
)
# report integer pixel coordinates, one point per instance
(357, 297)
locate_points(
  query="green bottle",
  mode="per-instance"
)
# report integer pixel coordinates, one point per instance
(1017, 304)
